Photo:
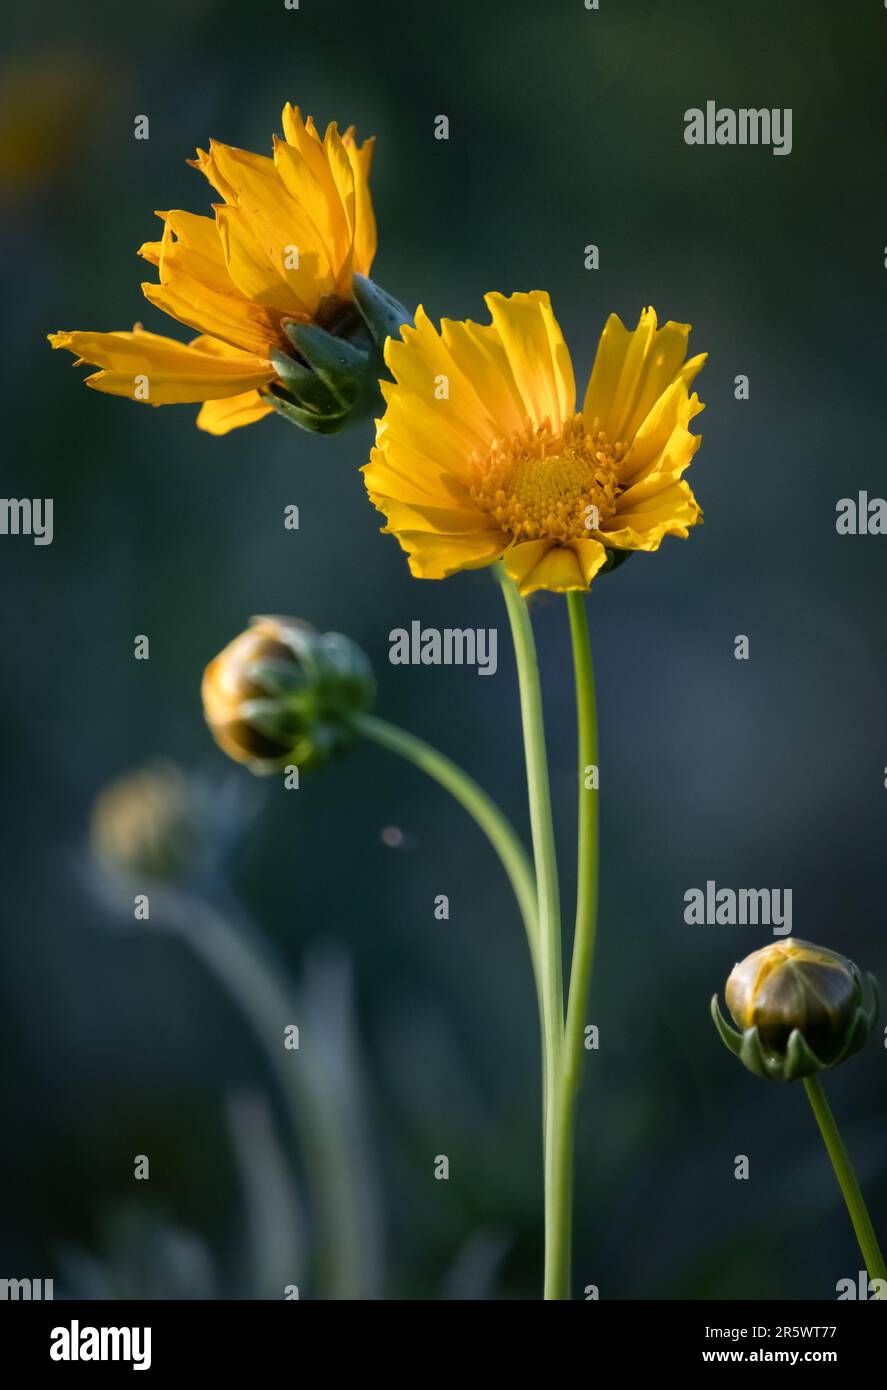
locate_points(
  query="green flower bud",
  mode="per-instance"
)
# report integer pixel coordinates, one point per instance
(143, 823)
(800, 1008)
(331, 379)
(282, 693)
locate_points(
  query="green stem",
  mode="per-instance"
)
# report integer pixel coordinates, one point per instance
(557, 1204)
(586, 895)
(476, 802)
(862, 1222)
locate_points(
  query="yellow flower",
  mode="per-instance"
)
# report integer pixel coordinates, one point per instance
(281, 248)
(481, 453)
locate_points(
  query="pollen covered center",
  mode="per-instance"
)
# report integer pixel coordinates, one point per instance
(546, 485)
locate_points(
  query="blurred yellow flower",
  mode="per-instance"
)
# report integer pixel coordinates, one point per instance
(143, 822)
(282, 247)
(481, 454)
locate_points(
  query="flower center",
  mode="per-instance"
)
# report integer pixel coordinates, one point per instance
(541, 485)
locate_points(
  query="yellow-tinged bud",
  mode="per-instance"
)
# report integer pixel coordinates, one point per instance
(281, 693)
(800, 1008)
(142, 823)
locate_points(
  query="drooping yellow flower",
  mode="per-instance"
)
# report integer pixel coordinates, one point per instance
(281, 248)
(481, 454)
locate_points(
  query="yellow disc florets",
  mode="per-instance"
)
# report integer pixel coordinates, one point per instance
(547, 485)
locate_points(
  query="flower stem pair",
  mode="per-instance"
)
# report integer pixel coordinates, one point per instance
(538, 897)
(563, 1041)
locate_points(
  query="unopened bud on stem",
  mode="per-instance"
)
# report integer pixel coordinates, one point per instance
(800, 1008)
(282, 693)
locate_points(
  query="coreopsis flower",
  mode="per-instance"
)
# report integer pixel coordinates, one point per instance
(800, 1009)
(481, 453)
(281, 694)
(275, 284)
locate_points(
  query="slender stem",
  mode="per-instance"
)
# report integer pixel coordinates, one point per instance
(862, 1222)
(586, 894)
(557, 1205)
(476, 802)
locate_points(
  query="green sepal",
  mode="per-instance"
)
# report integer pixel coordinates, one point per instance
(383, 314)
(729, 1036)
(307, 419)
(339, 365)
(799, 1059)
(306, 388)
(615, 558)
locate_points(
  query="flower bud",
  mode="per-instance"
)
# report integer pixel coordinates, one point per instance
(800, 1008)
(331, 378)
(142, 824)
(281, 693)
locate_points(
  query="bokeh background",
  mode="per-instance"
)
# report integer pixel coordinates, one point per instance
(120, 1038)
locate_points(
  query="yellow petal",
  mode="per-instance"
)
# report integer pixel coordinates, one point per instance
(196, 289)
(617, 371)
(250, 261)
(342, 173)
(402, 473)
(484, 362)
(236, 322)
(303, 164)
(522, 559)
(436, 557)
(632, 370)
(663, 443)
(150, 251)
(554, 566)
(191, 246)
(453, 426)
(644, 523)
(220, 416)
(173, 372)
(237, 174)
(537, 354)
(444, 521)
(361, 157)
(270, 225)
(591, 556)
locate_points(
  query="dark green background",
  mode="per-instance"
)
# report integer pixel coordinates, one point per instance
(566, 128)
